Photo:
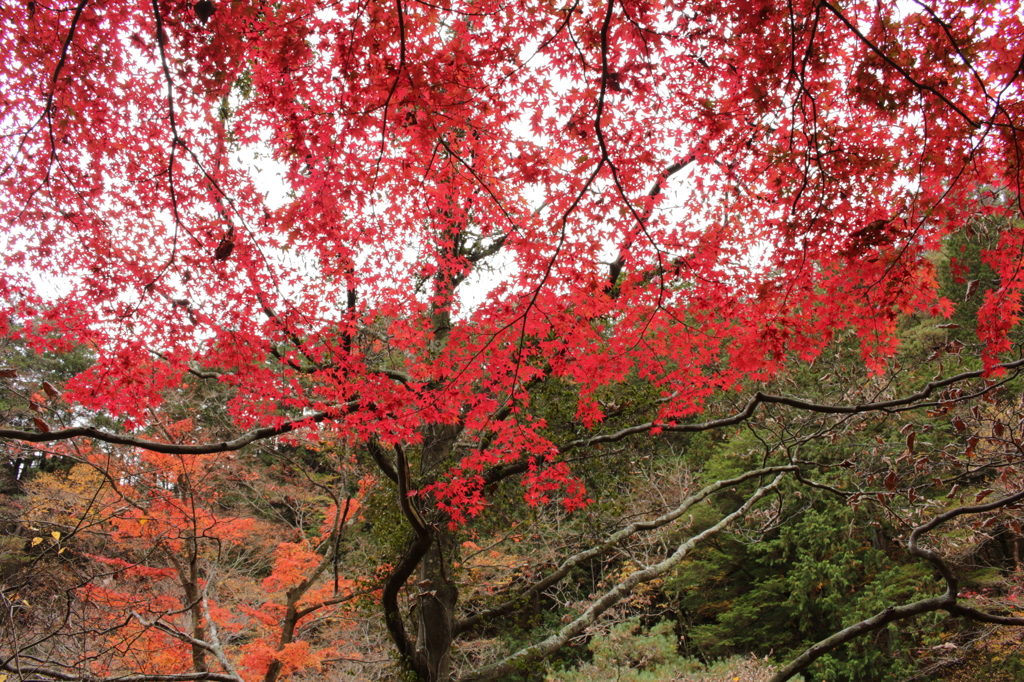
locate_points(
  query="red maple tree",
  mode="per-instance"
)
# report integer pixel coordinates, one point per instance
(398, 221)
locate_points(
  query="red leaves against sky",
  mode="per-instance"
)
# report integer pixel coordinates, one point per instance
(488, 160)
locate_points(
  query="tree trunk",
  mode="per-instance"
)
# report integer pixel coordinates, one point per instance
(188, 577)
(194, 596)
(437, 591)
(435, 610)
(436, 594)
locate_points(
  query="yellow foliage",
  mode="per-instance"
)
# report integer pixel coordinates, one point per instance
(79, 496)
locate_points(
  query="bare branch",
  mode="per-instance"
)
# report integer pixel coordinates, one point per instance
(40, 671)
(178, 634)
(910, 402)
(877, 621)
(400, 377)
(946, 602)
(173, 448)
(612, 597)
(613, 540)
(217, 649)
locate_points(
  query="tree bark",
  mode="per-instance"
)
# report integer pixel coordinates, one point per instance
(438, 593)
(189, 580)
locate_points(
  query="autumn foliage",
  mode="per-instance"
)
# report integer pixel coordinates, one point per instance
(147, 535)
(399, 228)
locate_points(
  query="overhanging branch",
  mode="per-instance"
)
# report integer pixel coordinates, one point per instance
(910, 402)
(173, 448)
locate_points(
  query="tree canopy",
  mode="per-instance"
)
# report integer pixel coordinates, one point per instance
(451, 245)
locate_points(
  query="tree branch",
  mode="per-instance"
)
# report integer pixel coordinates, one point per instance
(615, 269)
(173, 448)
(868, 625)
(899, 69)
(501, 472)
(613, 540)
(188, 639)
(909, 402)
(414, 553)
(612, 597)
(379, 456)
(24, 671)
(217, 649)
(946, 602)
